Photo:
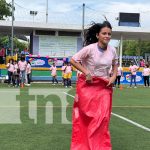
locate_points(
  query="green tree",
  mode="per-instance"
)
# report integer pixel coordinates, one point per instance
(5, 41)
(135, 47)
(5, 9)
(20, 45)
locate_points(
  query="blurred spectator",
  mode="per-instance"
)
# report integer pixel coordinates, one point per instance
(28, 72)
(22, 64)
(2, 55)
(142, 62)
(25, 51)
(146, 74)
(10, 68)
(133, 70)
(119, 74)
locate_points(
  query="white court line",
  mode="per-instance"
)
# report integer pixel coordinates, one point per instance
(132, 122)
(121, 117)
(69, 95)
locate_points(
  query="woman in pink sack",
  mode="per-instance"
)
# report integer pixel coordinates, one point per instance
(93, 100)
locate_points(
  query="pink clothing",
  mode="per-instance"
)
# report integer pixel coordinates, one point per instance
(142, 63)
(2, 52)
(22, 65)
(91, 115)
(146, 72)
(15, 67)
(119, 72)
(96, 61)
(63, 70)
(10, 67)
(53, 70)
(68, 69)
(28, 69)
(133, 69)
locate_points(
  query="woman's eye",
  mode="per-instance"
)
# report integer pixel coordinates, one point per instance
(105, 33)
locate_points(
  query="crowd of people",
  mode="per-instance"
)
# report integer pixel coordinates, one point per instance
(19, 72)
(133, 69)
(66, 74)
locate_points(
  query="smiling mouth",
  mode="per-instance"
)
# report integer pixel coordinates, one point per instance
(107, 39)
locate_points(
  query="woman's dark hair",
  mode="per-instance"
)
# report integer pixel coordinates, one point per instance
(11, 59)
(147, 65)
(28, 62)
(22, 57)
(90, 35)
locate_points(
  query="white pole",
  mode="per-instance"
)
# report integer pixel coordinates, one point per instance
(47, 11)
(83, 18)
(12, 29)
(121, 44)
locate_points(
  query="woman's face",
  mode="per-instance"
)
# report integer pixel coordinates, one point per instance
(104, 35)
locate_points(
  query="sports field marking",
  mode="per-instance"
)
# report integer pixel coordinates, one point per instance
(71, 106)
(121, 117)
(69, 95)
(132, 122)
(131, 106)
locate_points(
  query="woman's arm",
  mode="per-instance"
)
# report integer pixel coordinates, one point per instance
(115, 68)
(8, 65)
(113, 78)
(78, 66)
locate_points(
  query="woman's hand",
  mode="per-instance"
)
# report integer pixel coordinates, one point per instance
(111, 80)
(88, 78)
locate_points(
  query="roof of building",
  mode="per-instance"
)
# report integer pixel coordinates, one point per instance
(26, 28)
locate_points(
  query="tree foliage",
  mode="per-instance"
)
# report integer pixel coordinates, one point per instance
(6, 42)
(5, 9)
(136, 48)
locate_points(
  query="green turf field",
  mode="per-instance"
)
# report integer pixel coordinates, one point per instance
(24, 125)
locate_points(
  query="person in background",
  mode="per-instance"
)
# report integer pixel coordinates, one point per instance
(10, 68)
(28, 72)
(25, 52)
(146, 74)
(22, 64)
(53, 70)
(119, 74)
(63, 68)
(67, 75)
(133, 70)
(2, 55)
(93, 100)
(142, 63)
(16, 74)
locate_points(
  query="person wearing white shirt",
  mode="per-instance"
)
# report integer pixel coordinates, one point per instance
(133, 69)
(146, 74)
(10, 68)
(119, 74)
(28, 72)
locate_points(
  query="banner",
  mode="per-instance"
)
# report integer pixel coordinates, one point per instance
(57, 45)
(127, 78)
(44, 62)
